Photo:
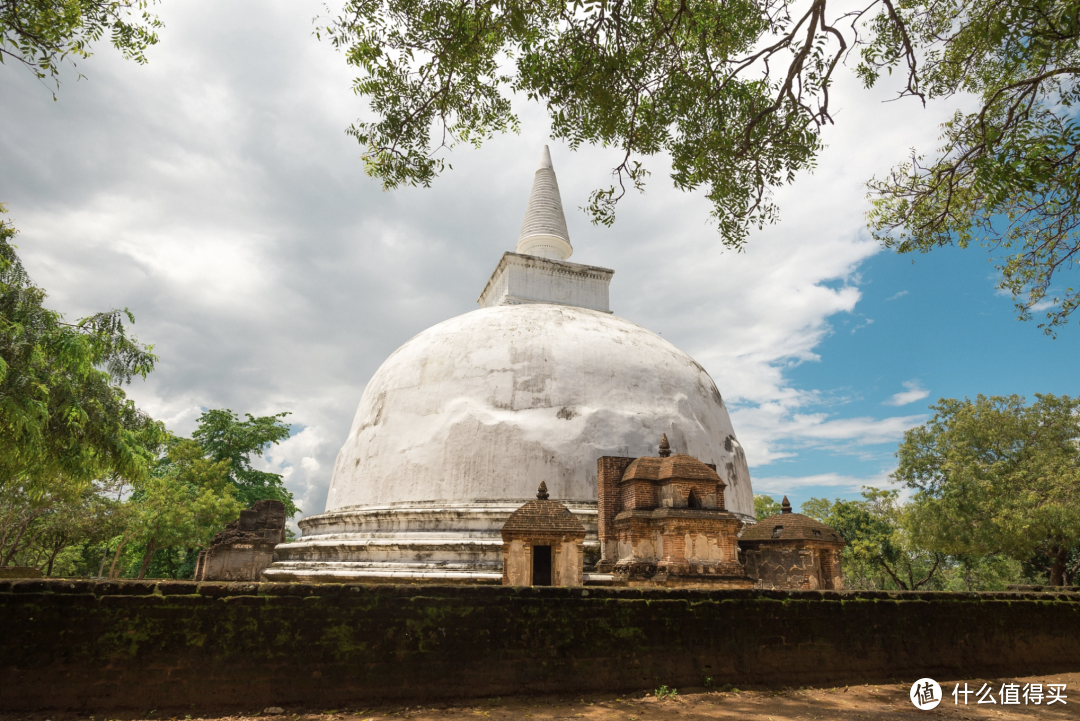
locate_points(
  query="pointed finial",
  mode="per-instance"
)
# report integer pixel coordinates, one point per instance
(545, 160)
(785, 506)
(665, 447)
(541, 492)
(543, 233)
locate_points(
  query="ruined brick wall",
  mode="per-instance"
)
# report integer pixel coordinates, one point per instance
(184, 647)
(794, 565)
(639, 494)
(245, 548)
(609, 469)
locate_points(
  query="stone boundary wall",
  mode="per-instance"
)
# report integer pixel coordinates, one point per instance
(107, 646)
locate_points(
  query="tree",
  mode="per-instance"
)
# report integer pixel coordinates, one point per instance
(37, 531)
(736, 94)
(226, 438)
(998, 476)
(878, 544)
(765, 506)
(184, 502)
(42, 34)
(64, 418)
(1007, 175)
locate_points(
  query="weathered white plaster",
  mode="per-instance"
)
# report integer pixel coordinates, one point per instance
(569, 564)
(528, 279)
(518, 569)
(700, 547)
(445, 540)
(458, 427)
(489, 404)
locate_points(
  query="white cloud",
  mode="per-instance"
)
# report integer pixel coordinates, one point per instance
(866, 323)
(775, 432)
(914, 392)
(837, 483)
(901, 294)
(215, 193)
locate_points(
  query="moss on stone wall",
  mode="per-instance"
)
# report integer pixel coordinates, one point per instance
(145, 645)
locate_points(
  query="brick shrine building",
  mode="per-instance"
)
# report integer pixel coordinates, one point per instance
(663, 522)
(543, 544)
(792, 551)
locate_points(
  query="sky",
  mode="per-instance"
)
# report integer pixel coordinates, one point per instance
(215, 194)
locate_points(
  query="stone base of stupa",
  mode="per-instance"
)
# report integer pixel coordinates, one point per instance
(457, 542)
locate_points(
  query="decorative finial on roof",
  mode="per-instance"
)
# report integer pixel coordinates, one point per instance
(541, 492)
(785, 506)
(544, 231)
(665, 447)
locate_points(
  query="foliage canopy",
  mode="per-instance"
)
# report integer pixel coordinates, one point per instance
(736, 92)
(227, 439)
(63, 414)
(42, 34)
(1008, 174)
(878, 545)
(765, 506)
(996, 475)
(184, 502)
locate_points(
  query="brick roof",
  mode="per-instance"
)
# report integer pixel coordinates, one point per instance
(793, 526)
(544, 516)
(677, 467)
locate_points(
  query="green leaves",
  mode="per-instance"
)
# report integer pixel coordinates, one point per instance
(225, 438)
(63, 416)
(646, 77)
(1008, 175)
(996, 475)
(184, 502)
(880, 552)
(735, 92)
(68, 433)
(765, 506)
(42, 34)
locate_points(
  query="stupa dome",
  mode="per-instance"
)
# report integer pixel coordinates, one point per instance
(460, 424)
(489, 404)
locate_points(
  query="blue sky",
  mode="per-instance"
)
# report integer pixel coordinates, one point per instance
(938, 325)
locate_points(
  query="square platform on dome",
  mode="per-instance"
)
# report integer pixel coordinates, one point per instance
(523, 278)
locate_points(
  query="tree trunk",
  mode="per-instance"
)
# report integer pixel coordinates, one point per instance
(15, 544)
(1057, 571)
(896, 579)
(56, 552)
(112, 568)
(104, 557)
(151, 549)
(917, 586)
(1070, 574)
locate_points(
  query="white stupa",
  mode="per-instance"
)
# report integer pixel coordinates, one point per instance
(460, 425)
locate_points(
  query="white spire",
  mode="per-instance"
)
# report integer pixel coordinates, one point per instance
(544, 231)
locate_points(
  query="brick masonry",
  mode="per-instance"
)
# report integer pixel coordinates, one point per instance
(185, 646)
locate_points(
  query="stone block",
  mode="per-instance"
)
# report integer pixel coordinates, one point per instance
(245, 548)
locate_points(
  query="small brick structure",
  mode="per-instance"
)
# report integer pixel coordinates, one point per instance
(793, 551)
(663, 522)
(543, 544)
(245, 548)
